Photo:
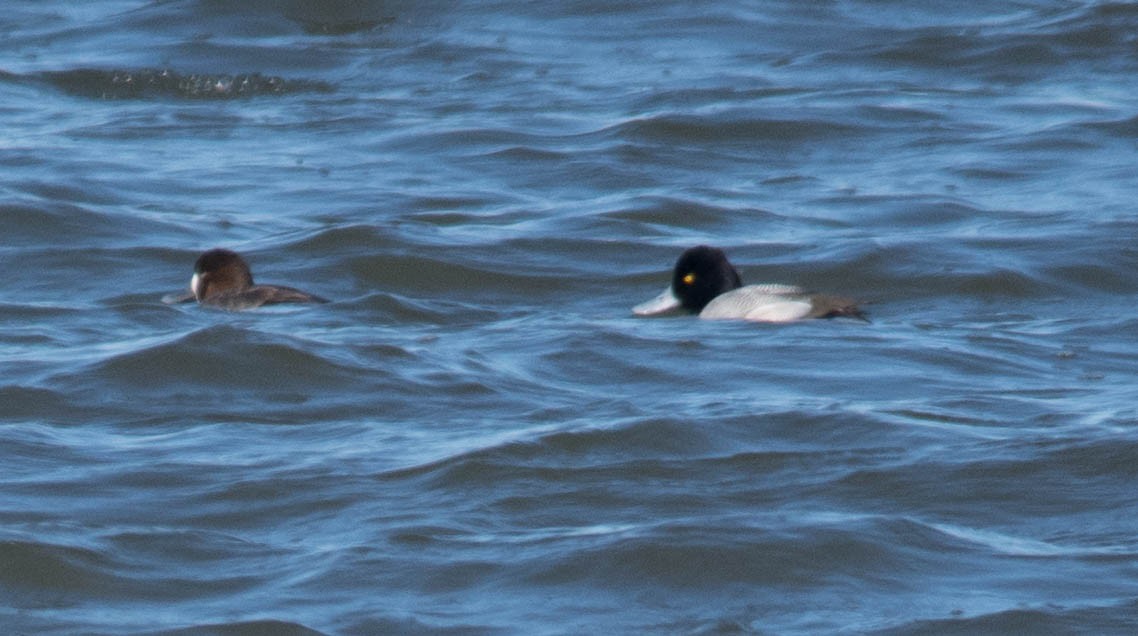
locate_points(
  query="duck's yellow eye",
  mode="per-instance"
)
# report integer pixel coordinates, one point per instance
(688, 279)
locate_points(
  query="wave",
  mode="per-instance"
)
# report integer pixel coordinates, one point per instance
(166, 83)
(1044, 619)
(734, 130)
(261, 627)
(1020, 46)
(225, 355)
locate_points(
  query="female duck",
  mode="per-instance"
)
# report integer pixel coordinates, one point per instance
(222, 279)
(705, 282)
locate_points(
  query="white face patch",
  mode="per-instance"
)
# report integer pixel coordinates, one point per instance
(195, 285)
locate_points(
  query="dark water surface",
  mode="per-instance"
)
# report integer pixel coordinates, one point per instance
(476, 436)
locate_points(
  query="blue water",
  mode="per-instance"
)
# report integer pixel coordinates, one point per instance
(477, 436)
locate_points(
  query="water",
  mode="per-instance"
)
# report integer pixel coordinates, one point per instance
(476, 436)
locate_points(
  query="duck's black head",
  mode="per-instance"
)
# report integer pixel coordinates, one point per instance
(701, 274)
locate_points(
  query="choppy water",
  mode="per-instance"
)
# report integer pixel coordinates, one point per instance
(477, 437)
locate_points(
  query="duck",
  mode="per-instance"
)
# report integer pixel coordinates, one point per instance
(704, 282)
(222, 279)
